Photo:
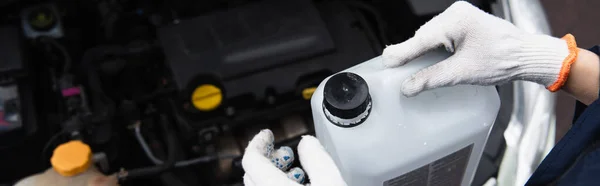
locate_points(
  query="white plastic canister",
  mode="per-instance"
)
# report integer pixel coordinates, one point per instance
(377, 136)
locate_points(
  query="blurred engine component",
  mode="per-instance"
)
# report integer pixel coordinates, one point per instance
(42, 20)
(10, 115)
(260, 51)
(17, 119)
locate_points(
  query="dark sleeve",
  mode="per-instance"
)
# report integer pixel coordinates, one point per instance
(580, 107)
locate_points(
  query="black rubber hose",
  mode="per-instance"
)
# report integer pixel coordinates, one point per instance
(103, 108)
(67, 57)
(171, 142)
(168, 164)
(88, 64)
(184, 126)
(98, 53)
(51, 142)
(100, 100)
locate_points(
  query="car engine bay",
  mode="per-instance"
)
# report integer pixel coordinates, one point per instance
(170, 92)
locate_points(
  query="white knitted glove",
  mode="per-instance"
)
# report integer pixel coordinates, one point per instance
(487, 51)
(266, 168)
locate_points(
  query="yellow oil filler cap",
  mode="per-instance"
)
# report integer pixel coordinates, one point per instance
(207, 97)
(71, 158)
(308, 92)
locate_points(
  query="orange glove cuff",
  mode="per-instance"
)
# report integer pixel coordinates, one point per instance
(566, 67)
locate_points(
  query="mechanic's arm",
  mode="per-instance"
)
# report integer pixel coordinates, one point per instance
(584, 80)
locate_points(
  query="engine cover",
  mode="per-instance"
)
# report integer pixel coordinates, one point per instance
(268, 45)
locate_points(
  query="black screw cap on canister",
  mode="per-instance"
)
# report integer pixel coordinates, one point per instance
(346, 97)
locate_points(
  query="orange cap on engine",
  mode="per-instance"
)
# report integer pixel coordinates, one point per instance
(71, 158)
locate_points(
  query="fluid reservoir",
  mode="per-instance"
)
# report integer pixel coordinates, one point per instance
(377, 136)
(71, 166)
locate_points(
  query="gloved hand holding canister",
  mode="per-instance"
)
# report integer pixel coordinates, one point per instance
(265, 167)
(490, 51)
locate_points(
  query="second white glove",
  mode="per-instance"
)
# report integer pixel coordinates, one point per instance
(265, 167)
